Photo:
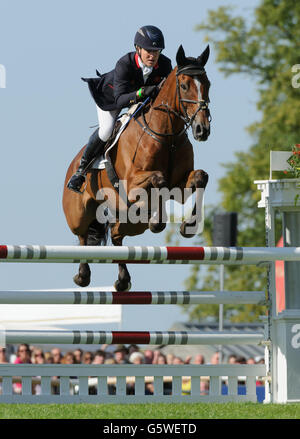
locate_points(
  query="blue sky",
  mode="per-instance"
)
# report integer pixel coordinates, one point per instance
(46, 112)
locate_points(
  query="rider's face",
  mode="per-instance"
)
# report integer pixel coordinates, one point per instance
(149, 57)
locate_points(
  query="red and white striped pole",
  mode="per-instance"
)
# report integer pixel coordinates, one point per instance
(150, 254)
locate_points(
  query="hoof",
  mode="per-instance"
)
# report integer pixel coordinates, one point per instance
(185, 229)
(201, 179)
(82, 281)
(156, 227)
(122, 285)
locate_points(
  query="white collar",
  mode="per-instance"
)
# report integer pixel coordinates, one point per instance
(146, 70)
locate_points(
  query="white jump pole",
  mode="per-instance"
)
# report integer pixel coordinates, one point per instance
(79, 297)
(129, 337)
(193, 255)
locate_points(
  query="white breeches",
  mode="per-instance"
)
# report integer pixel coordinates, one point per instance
(106, 122)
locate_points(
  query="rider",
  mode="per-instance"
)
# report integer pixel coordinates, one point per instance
(134, 78)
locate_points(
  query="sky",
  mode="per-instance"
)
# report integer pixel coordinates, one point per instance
(46, 113)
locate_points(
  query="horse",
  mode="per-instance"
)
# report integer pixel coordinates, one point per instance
(153, 153)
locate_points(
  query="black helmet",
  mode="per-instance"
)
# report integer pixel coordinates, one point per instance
(149, 38)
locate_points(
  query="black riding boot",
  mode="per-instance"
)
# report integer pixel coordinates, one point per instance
(94, 147)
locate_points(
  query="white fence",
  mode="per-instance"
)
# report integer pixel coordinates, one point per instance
(112, 383)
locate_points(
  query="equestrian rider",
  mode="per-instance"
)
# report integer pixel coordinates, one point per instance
(134, 78)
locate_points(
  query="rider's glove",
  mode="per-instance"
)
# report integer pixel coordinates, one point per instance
(147, 91)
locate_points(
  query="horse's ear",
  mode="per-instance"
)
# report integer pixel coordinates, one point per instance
(180, 56)
(202, 59)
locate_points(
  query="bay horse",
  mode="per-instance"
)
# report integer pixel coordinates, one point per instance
(153, 152)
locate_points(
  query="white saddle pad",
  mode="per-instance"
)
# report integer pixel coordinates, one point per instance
(99, 163)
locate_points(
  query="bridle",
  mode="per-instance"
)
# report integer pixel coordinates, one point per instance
(190, 70)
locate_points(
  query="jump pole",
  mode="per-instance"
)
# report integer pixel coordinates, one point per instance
(127, 337)
(141, 254)
(79, 297)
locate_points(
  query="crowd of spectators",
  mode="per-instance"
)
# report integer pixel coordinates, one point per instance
(121, 354)
(131, 354)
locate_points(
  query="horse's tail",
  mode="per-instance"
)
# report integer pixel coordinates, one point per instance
(98, 233)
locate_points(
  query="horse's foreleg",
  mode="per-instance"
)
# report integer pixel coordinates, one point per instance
(152, 182)
(157, 221)
(195, 180)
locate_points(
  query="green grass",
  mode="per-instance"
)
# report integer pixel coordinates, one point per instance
(150, 411)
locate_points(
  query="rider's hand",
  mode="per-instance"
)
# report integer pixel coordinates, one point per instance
(147, 91)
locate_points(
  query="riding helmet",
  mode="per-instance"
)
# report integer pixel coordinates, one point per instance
(149, 38)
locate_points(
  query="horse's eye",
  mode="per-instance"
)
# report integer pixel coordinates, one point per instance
(184, 87)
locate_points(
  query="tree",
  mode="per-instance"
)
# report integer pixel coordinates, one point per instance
(264, 49)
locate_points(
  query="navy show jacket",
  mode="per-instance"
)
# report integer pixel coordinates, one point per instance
(117, 89)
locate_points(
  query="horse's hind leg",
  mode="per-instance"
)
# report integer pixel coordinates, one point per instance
(83, 277)
(123, 283)
(96, 235)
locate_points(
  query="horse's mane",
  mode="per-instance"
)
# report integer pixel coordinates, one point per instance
(162, 86)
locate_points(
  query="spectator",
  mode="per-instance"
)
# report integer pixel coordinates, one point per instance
(156, 354)
(251, 360)
(23, 357)
(110, 361)
(78, 356)
(199, 359)
(133, 348)
(56, 358)
(232, 359)
(120, 354)
(23, 354)
(3, 356)
(241, 360)
(215, 359)
(87, 358)
(56, 355)
(137, 358)
(161, 359)
(38, 357)
(204, 386)
(178, 360)
(187, 360)
(68, 358)
(48, 358)
(148, 354)
(99, 357)
(170, 358)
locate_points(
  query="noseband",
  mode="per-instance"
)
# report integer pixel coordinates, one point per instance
(189, 70)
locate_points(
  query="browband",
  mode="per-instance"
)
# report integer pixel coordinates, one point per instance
(190, 69)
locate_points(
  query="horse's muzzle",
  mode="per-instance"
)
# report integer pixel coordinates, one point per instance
(201, 131)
